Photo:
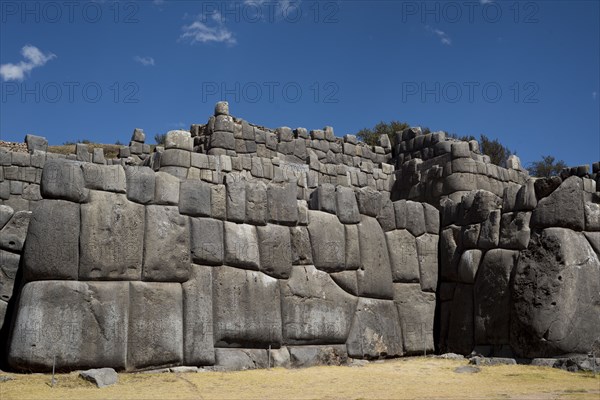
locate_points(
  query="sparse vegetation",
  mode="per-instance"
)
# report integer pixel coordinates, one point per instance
(420, 378)
(160, 138)
(546, 167)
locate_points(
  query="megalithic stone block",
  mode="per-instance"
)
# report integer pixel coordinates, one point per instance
(112, 238)
(247, 308)
(416, 311)
(275, 250)
(198, 348)
(375, 330)
(314, 309)
(155, 329)
(63, 179)
(327, 237)
(375, 273)
(82, 324)
(167, 245)
(52, 245)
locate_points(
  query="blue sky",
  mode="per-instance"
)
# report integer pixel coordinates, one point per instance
(525, 72)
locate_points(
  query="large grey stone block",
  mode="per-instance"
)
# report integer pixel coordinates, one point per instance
(241, 246)
(6, 214)
(12, 236)
(281, 202)
(416, 311)
(176, 158)
(477, 205)
(563, 208)
(461, 337)
(218, 201)
(468, 265)
(9, 265)
(314, 309)
(241, 359)
(82, 324)
(110, 178)
(352, 247)
(427, 249)
(52, 246)
(375, 273)
(236, 197)
(592, 216)
(387, 216)
(275, 250)
(514, 230)
(346, 280)
(300, 246)
(112, 238)
(375, 330)
(63, 179)
(198, 348)
(312, 356)
(324, 198)
(256, 203)
(36, 143)
(555, 296)
(492, 297)
(369, 201)
(167, 245)
(207, 241)
(140, 184)
(450, 251)
(404, 258)
(327, 237)
(489, 235)
(194, 198)
(166, 189)
(526, 199)
(247, 308)
(179, 140)
(432, 219)
(155, 329)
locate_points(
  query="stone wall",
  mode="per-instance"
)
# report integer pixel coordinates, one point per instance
(520, 275)
(431, 167)
(232, 239)
(133, 268)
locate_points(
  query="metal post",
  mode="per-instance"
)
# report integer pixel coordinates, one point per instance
(53, 368)
(423, 338)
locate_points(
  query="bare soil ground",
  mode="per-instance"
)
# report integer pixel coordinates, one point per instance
(414, 378)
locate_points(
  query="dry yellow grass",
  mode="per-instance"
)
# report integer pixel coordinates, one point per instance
(421, 378)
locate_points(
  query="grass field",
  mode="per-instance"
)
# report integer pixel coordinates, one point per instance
(422, 378)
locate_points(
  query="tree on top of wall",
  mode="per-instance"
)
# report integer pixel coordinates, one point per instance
(546, 167)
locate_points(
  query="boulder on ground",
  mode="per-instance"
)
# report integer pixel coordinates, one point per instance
(311, 356)
(101, 377)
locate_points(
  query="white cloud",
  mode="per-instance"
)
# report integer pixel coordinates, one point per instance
(200, 31)
(145, 61)
(594, 95)
(33, 58)
(443, 36)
